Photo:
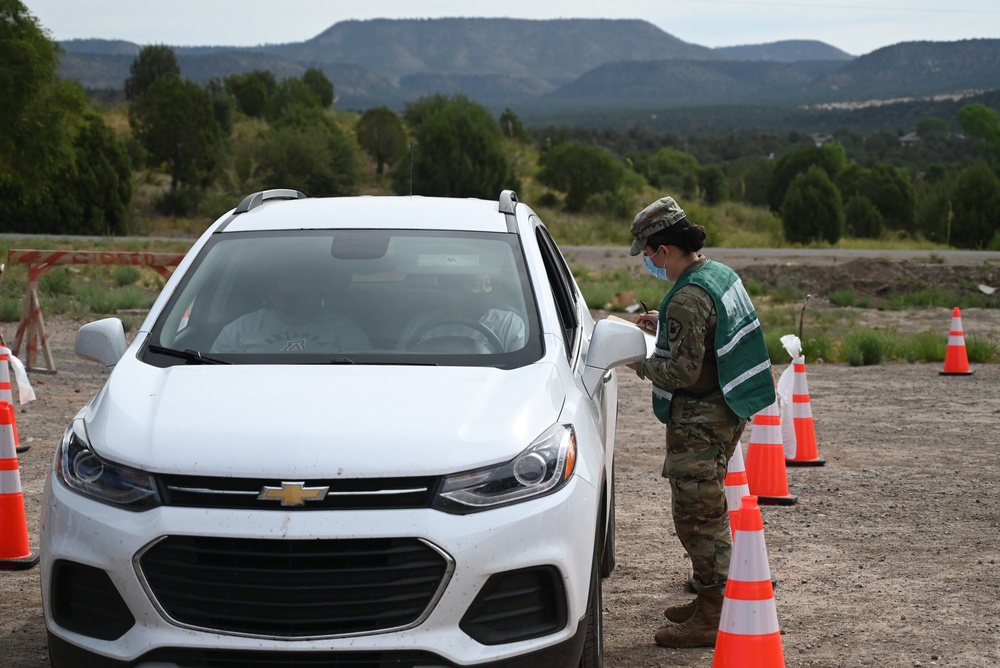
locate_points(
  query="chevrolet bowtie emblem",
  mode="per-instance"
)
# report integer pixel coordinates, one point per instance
(292, 493)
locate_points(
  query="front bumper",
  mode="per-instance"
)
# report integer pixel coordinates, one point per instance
(555, 531)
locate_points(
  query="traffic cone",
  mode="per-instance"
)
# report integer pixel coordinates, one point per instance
(956, 361)
(736, 485)
(736, 488)
(766, 475)
(804, 451)
(749, 636)
(7, 394)
(15, 554)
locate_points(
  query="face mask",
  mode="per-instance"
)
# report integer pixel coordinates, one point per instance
(657, 272)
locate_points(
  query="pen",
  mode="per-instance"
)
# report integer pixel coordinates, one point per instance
(645, 309)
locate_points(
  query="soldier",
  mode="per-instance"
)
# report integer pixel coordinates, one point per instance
(710, 372)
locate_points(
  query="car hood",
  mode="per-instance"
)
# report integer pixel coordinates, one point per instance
(320, 422)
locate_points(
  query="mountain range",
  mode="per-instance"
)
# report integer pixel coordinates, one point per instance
(568, 66)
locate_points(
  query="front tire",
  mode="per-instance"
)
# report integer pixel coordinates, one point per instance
(608, 550)
(593, 644)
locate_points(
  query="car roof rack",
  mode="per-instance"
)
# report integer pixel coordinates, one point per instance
(253, 201)
(508, 204)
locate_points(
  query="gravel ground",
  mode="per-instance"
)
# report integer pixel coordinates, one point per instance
(889, 558)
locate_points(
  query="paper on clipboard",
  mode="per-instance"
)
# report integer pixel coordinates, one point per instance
(650, 339)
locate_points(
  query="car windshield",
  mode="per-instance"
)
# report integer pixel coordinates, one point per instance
(351, 297)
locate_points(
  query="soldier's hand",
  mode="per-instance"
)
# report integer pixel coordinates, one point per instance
(648, 320)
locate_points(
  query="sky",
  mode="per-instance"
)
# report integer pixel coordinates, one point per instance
(855, 26)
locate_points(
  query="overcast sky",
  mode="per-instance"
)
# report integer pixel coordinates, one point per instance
(856, 26)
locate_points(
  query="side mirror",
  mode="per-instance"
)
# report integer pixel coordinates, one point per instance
(101, 341)
(613, 344)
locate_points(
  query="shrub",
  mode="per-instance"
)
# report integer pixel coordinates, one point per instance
(864, 347)
(813, 210)
(126, 275)
(843, 297)
(924, 346)
(56, 282)
(980, 350)
(862, 219)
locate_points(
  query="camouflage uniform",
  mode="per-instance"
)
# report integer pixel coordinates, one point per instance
(702, 432)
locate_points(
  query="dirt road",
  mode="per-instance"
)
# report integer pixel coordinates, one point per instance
(890, 557)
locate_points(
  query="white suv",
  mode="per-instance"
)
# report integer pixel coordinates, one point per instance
(366, 432)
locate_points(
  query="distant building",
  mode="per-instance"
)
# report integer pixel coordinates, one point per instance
(820, 139)
(909, 139)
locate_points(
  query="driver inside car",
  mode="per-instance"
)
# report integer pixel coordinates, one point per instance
(295, 319)
(469, 312)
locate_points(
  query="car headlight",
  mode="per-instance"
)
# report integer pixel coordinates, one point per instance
(82, 470)
(543, 467)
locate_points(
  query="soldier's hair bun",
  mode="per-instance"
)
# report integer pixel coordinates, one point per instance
(682, 234)
(694, 238)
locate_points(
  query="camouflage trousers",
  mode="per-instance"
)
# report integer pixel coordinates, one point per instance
(701, 437)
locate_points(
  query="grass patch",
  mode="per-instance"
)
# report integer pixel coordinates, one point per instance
(600, 288)
(846, 297)
(932, 298)
(981, 350)
(924, 346)
(865, 347)
(99, 299)
(126, 275)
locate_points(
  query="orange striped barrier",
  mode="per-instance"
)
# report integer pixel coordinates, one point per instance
(15, 553)
(804, 451)
(766, 473)
(736, 485)
(31, 328)
(749, 635)
(956, 360)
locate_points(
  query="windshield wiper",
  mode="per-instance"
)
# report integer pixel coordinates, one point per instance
(189, 355)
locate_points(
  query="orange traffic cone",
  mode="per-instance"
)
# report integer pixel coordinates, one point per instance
(736, 485)
(749, 636)
(736, 488)
(805, 453)
(956, 361)
(766, 473)
(15, 554)
(7, 394)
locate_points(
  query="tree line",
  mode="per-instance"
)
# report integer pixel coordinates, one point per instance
(63, 170)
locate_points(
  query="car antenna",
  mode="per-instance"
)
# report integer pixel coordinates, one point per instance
(411, 169)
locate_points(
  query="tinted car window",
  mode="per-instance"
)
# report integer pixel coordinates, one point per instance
(353, 296)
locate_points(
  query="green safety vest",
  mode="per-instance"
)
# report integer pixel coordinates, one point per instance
(743, 362)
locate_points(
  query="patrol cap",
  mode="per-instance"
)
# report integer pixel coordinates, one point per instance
(658, 216)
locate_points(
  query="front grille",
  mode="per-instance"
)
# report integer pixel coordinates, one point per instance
(295, 588)
(351, 494)
(214, 658)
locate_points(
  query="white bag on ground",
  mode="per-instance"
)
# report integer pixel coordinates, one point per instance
(792, 344)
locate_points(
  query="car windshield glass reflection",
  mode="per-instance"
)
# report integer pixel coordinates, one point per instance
(386, 297)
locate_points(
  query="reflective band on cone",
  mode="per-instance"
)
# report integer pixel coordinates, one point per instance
(956, 360)
(15, 552)
(749, 636)
(806, 453)
(766, 473)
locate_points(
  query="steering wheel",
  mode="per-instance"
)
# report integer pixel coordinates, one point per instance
(441, 321)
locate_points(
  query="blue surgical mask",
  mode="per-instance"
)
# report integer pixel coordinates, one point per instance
(657, 272)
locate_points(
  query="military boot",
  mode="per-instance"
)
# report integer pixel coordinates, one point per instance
(700, 629)
(681, 613)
